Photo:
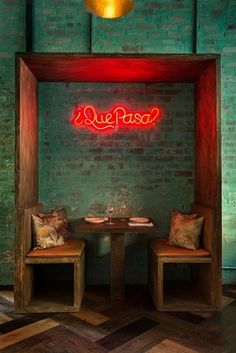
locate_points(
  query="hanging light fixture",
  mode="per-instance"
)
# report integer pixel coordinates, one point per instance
(109, 8)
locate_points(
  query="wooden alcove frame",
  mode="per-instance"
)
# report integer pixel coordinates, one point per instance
(202, 70)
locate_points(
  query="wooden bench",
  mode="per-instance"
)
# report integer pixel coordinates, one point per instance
(202, 290)
(39, 295)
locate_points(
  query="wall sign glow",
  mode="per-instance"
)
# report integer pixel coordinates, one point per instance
(88, 117)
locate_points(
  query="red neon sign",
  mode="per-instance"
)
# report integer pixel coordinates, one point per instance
(88, 117)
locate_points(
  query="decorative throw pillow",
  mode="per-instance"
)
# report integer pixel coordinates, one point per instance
(185, 230)
(58, 220)
(45, 236)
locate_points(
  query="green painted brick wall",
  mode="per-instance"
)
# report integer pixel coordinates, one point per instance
(163, 26)
(151, 170)
(153, 26)
(12, 33)
(60, 26)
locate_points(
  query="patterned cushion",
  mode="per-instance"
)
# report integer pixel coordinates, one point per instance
(185, 230)
(58, 220)
(45, 236)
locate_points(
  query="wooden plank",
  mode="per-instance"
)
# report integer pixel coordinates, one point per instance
(26, 165)
(23, 333)
(187, 260)
(24, 273)
(217, 263)
(213, 332)
(206, 139)
(208, 166)
(79, 282)
(26, 138)
(92, 317)
(117, 266)
(170, 347)
(79, 327)
(116, 68)
(126, 333)
(20, 322)
(4, 318)
(50, 306)
(160, 283)
(51, 260)
(8, 295)
(37, 343)
(211, 240)
(141, 343)
(71, 341)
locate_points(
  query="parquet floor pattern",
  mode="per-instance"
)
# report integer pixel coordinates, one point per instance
(131, 326)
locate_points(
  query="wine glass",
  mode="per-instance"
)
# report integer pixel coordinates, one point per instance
(109, 211)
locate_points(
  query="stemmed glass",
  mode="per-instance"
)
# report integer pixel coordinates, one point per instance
(109, 211)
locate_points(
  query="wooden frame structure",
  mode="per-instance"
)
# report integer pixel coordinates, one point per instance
(202, 70)
(65, 296)
(200, 291)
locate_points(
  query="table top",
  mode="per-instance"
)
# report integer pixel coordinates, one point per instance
(118, 226)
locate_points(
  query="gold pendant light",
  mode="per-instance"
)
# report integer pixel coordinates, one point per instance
(109, 8)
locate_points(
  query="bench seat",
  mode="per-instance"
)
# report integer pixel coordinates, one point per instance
(72, 247)
(161, 247)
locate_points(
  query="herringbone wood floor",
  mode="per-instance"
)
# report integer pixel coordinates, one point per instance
(132, 326)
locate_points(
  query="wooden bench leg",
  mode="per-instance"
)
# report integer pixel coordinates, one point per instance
(152, 274)
(78, 282)
(24, 289)
(156, 278)
(160, 284)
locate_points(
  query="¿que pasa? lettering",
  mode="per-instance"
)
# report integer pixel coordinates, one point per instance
(88, 117)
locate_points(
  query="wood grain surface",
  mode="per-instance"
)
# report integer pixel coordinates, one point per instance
(129, 326)
(116, 68)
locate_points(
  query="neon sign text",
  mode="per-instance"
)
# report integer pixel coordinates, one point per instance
(88, 117)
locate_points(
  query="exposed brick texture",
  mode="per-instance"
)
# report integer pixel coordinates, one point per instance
(61, 26)
(152, 170)
(11, 39)
(157, 26)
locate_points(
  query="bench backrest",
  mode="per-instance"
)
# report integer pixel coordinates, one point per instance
(207, 237)
(27, 226)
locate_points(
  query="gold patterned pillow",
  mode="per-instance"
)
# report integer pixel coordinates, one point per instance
(45, 236)
(58, 220)
(185, 230)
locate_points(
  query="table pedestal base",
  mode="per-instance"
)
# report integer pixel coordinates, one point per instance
(117, 266)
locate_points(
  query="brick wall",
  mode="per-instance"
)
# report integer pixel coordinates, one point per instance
(152, 170)
(61, 26)
(163, 26)
(12, 14)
